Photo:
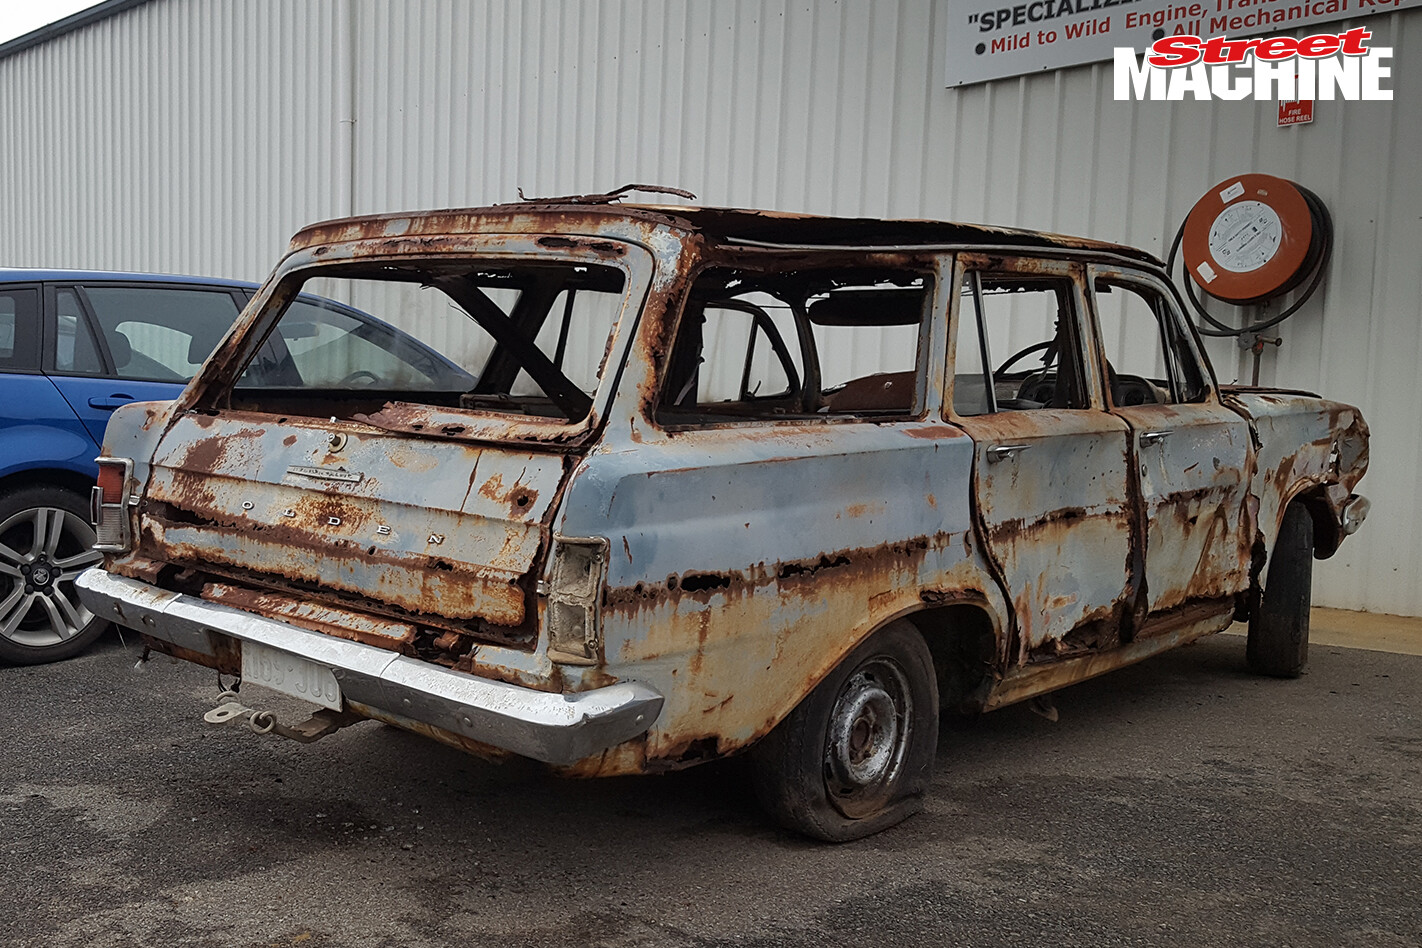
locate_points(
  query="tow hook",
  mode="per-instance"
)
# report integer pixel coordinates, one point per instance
(322, 722)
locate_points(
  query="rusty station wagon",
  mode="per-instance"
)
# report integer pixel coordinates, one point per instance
(727, 481)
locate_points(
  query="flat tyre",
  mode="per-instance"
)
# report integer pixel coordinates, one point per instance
(856, 756)
(1278, 625)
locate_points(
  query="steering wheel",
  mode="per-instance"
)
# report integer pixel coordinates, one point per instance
(1039, 386)
(363, 376)
(1022, 354)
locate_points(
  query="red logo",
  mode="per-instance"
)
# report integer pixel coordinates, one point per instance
(1173, 51)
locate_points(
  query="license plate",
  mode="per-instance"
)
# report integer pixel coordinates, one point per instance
(297, 677)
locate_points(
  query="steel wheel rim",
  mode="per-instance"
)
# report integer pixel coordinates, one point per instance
(42, 551)
(868, 737)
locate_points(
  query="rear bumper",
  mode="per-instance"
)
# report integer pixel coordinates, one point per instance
(554, 728)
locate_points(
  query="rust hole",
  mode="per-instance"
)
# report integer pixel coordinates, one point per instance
(522, 500)
(696, 582)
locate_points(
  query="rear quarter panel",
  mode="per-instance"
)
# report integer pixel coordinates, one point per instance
(745, 562)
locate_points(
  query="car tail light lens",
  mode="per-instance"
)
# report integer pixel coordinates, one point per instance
(108, 505)
(111, 477)
(575, 599)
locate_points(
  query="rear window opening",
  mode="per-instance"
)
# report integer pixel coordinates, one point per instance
(517, 338)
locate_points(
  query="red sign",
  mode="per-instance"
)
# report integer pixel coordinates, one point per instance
(1295, 113)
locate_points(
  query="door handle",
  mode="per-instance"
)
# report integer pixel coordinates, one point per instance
(1151, 437)
(110, 403)
(1001, 452)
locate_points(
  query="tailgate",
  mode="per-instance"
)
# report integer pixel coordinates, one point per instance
(420, 525)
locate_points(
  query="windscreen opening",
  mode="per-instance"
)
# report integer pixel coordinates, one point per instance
(525, 339)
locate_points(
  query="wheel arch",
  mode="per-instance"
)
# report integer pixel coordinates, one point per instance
(1327, 530)
(47, 477)
(964, 637)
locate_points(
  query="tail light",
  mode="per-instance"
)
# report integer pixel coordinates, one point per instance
(575, 599)
(108, 505)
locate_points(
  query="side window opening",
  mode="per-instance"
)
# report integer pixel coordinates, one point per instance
(1143, 346)
(868, 340)
(159, 333)
(800, 344)
(1017, 347)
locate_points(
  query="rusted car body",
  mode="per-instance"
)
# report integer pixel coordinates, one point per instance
(629, 576)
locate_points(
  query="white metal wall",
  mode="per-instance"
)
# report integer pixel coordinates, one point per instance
(196, 135)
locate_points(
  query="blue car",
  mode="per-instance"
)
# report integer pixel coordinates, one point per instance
(75, 345)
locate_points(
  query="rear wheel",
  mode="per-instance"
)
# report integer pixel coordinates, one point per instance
(1278, 625)
(856, 756)
(45, 543)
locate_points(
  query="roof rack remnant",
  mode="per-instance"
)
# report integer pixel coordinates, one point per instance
(610, 197)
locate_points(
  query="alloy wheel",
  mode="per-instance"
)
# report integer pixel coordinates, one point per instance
(42, 551)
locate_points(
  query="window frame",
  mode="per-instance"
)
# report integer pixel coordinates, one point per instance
(213, 388)
(51, 334)
(35, 366)
(1087, 352)
(50, 321)
(925, 266)
(1127, 278)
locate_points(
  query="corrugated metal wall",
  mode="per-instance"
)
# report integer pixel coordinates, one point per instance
(196, 135)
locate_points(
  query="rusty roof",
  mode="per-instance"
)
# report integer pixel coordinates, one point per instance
(718, 224)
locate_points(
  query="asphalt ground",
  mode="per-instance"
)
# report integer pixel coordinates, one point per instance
(1178, 802)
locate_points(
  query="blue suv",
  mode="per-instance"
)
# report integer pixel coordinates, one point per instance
(75, 345)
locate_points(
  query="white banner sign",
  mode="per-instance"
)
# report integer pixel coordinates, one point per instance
(991, 39)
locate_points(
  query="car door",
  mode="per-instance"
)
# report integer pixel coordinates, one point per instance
(110, 343)
(37, 427)
(1050, 474)
(1192, 452)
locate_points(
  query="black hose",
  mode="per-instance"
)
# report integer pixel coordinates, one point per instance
(1320, 250)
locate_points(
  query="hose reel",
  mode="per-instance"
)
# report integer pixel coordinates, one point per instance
(1250, 240)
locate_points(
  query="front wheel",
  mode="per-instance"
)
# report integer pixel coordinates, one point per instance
(1278, 625)
(856, 756)
(45, 543)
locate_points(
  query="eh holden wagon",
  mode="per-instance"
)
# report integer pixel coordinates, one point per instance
(718, 481)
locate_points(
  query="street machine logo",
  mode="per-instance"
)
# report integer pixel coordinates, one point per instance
(1322, 66)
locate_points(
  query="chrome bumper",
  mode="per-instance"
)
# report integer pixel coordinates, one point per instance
(555, 728)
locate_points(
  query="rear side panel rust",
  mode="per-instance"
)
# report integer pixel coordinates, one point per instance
(745, 563)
